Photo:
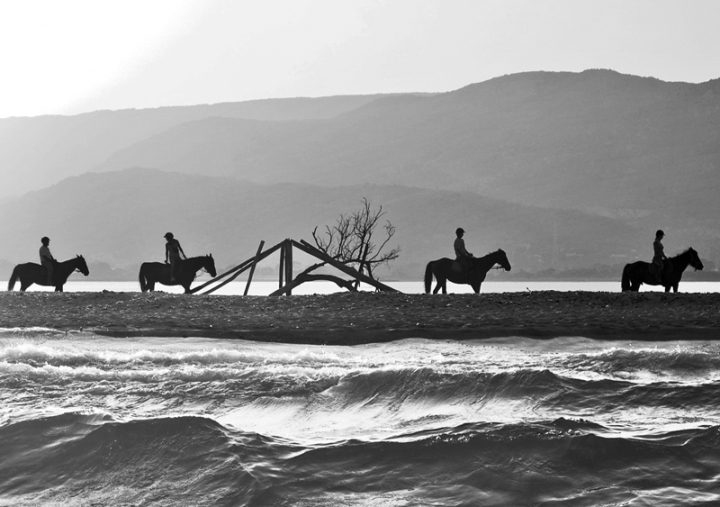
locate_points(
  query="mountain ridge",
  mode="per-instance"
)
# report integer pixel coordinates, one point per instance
(571, 140)
(35, 151)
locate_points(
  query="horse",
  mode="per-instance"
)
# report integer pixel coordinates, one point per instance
(157, 272)
(443, 271)
(638, 273)
(30, 273)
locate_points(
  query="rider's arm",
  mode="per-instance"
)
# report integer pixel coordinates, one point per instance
(461, 247)
(660, 250)
(45, 254)
(167, 252)
(181, 250)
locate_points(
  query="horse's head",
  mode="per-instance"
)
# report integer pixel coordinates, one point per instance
(82, 265)
(501, 258)
(209, 265)
(695, 261)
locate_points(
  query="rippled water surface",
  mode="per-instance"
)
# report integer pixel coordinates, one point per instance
(263, 287)
(86, 419)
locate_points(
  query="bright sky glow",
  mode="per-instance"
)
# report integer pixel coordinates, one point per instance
(73, 56)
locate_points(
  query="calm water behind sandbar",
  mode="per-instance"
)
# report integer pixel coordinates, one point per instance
(263, 288)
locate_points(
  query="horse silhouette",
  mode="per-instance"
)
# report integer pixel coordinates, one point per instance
(158, 272)
(30, 273)
(442, 270)
(638, 273)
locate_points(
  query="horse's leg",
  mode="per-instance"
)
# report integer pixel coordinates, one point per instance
(438, 284)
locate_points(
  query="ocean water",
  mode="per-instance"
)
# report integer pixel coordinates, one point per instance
(263, 288)
(89, 421)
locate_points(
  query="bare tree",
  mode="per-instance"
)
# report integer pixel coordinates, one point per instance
(351, 240)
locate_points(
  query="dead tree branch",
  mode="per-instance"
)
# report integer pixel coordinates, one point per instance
(351, 240)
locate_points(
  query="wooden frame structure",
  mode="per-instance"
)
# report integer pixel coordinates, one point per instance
(286, 281)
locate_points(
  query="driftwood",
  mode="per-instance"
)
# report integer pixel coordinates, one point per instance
(308, 248)
(252, 269)
(286, 270)
(236, 271)
(302, 278)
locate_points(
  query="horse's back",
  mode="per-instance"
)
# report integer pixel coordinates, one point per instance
(634, 266)
(153, 267)
(28, 265)
(28, 268)
(442, 262)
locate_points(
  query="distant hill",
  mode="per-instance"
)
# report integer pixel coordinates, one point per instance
(119, 218)
(599, 141)
(38, 151)
(560, 169)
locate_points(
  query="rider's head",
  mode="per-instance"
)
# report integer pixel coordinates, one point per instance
(45, 240)
(169, 235)
(659, 233)
(459, 231)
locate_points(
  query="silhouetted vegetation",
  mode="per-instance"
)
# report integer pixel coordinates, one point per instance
(351, 240)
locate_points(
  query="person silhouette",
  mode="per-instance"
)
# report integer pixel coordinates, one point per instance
(46, 258)
(461, 254)
(173, 250)
(659, 258)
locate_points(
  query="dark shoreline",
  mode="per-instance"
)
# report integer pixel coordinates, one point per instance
(350, 319)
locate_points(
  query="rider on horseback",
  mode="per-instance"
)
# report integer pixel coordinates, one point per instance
(173, 250)
(46, 258)
(461, 254)
(659, 257)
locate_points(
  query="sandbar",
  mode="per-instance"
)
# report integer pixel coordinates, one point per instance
(366, 317)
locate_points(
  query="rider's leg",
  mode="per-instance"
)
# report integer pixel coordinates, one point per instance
(49, 268)
(659, 270)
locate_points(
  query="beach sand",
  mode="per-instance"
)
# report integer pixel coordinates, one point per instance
(365, 317)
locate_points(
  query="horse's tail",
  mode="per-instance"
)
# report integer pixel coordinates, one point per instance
(13, 278)
(141, 276)
(428, 277)
(625, 282)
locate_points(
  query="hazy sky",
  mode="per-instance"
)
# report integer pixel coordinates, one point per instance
(71, 56)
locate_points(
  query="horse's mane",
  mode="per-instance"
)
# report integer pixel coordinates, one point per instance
(687, 251)
(493, 252)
